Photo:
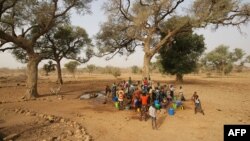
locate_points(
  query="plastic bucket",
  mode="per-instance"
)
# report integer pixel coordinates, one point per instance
(157, 106)
(171, 111)
(174, 106)
(178, 103)
(156, 102)
(116, 105)
(115, 99)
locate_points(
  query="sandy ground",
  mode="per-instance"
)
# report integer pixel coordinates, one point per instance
(225, 100)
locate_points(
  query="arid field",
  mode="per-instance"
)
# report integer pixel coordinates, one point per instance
(225, 100)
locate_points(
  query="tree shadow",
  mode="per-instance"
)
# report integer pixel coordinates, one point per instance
(69, 92)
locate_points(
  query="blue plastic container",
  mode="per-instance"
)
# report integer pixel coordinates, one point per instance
(115, 99)
(178, 103)
(156, 102)
(171, 111)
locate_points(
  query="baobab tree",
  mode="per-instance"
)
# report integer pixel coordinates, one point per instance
(23, 22)
(140, 23)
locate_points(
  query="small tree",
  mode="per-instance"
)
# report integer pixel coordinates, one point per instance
(72, 66)
(49, 67)
(116, 72)
(68, 42)
(135, 69)
(91, 68)
(237, 56)
(247, 60)
(222, 60)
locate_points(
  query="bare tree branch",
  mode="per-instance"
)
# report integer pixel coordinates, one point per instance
(170, 10)
(8, 48)
(122, 11)
(143, 4)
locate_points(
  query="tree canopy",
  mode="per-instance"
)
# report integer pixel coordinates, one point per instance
(221, 59)
(183, 55)
(72, 66)
(140, 23)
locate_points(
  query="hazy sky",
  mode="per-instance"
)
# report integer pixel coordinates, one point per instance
(229, 36)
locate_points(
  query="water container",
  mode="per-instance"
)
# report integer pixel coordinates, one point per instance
(115, 99)
(174, 106)
(156, 102)
(157, 106)
(116, 105)
(178, 103)
(171, 111)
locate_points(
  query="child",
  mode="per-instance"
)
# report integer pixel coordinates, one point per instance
(144, 101)
(113, 90)
(182, 98)
(152, 113)
(198, 105)
(108, 91)
(172, 91)
(193, 97)
(120, 98)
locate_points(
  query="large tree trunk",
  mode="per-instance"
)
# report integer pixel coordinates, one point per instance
(32, 76)
(59, 72)
(179, 77)
(146, 63)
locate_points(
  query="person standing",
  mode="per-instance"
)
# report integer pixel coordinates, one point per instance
(152, 113)
(181, 95)
(120, 98)
(108, 91)
(198, 107)
(172, 91)
(113, 90)
(144, 108)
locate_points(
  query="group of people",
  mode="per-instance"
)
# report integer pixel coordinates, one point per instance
(146, 97)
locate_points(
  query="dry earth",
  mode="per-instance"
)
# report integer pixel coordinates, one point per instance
(225, 100)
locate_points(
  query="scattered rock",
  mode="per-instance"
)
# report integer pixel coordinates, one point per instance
(11, 137)
(50, 118)
(69, 133)
(16, 110)
(63, 136)
(21, 111)
(87, 138)
(62, 120)
(79, 136)
(78, 131)
(23, 97)
(32, 114)
(27, 114)
(83, 131)
(78, 126)
(41, 115)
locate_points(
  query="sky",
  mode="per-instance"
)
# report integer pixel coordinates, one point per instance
(229, 36)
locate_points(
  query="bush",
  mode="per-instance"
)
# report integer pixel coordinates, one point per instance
(116, 72)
